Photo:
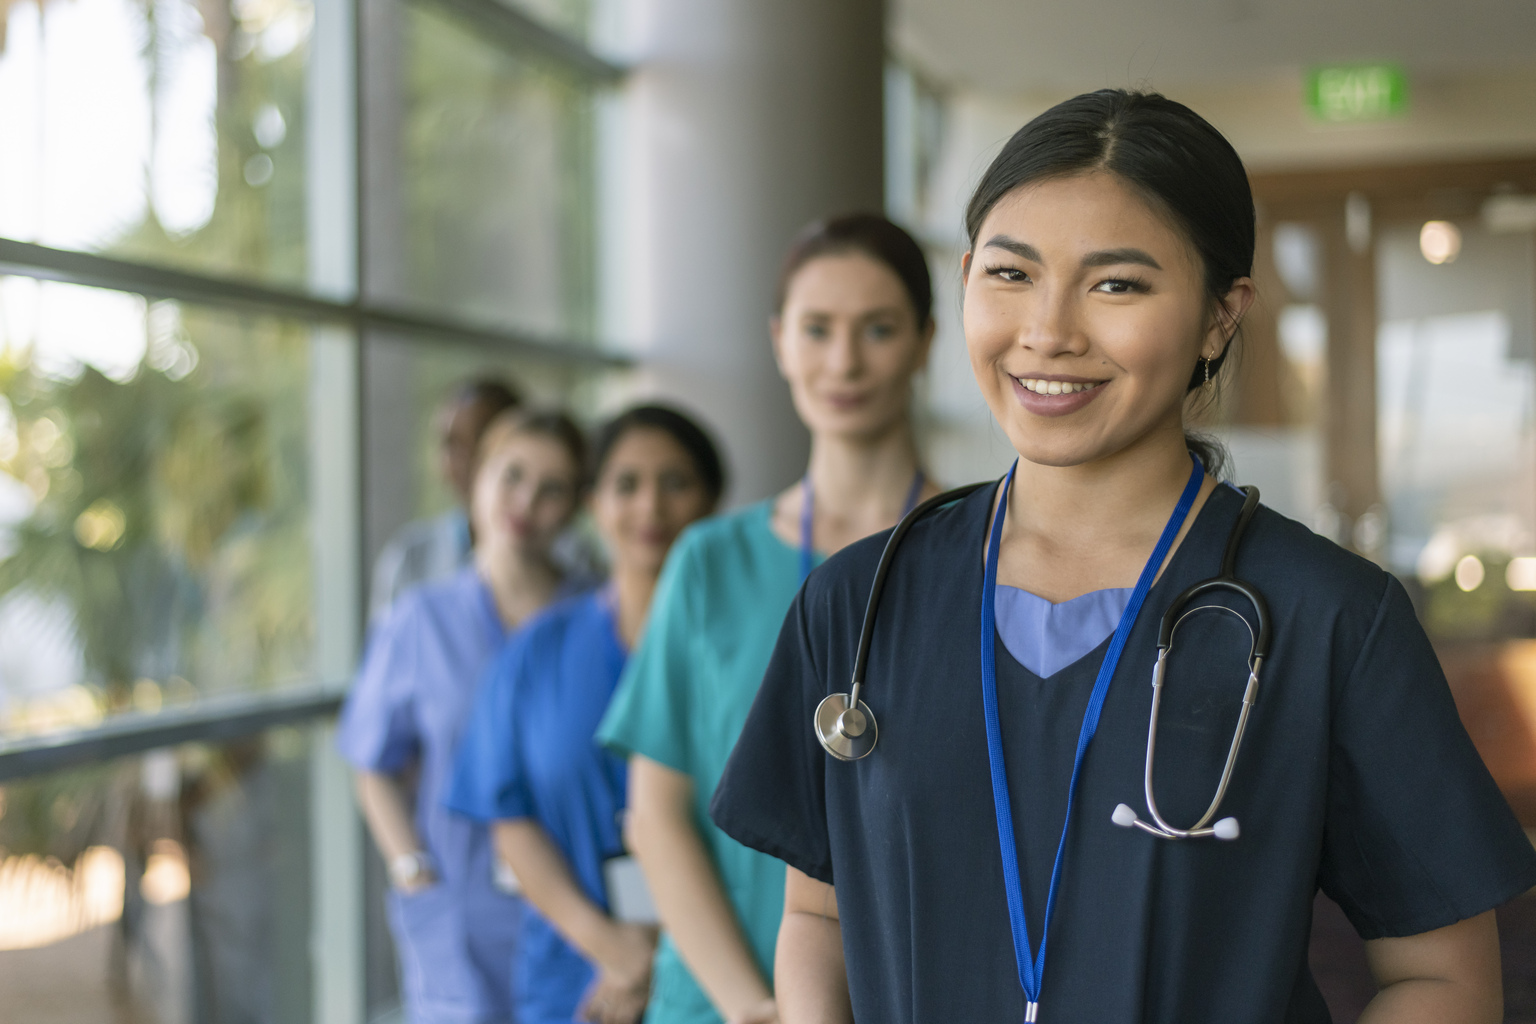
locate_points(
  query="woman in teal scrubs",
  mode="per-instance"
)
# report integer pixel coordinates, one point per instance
(853, 326)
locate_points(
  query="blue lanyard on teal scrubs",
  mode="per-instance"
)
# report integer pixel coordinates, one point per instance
(808, 517)
(1031, 965)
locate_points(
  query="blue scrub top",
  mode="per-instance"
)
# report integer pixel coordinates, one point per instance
(528, 752)
(412, 694)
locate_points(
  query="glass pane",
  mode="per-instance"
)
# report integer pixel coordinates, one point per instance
(169, 131)
(496, 185)
(167, 888)
(1456, 426)
(153, 504)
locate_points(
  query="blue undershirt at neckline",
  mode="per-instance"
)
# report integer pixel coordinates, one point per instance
(1045, 637)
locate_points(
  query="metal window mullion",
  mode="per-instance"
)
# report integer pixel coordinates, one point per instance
(27, 259)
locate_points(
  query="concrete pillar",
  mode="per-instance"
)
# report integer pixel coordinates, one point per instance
(744, 119)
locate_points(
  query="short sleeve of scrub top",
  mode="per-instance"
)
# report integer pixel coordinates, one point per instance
(682, 701)
(1355, 774)
(378, 730)
(488, 780)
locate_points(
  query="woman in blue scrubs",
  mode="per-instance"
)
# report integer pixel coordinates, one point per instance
(853, 326)
(995, 819)
(528, 762)
(455, 927)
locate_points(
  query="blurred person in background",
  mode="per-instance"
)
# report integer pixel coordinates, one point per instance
(853, 326)
(453, 913)
(432, 549)
(528, 762)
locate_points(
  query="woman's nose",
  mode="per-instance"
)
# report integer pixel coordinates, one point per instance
(847, 356)
(1053, 324)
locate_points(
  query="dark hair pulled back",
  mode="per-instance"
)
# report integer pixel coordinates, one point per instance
(875, 237)
(1165, 151)
(691, 437)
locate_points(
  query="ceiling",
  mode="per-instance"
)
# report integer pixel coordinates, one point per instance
(1024, 46)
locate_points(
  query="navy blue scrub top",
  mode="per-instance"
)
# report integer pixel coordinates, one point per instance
(1355, 776)
(528, 752)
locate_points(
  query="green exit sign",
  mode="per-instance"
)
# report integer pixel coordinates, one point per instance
(1357, 92)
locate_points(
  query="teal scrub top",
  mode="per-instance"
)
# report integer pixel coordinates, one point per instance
(683, 699)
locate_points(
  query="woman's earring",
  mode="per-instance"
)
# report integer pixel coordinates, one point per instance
(1208, 385)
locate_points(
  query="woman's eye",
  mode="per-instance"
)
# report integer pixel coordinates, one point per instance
(817, 331)
(1121, 286)
(1010, 274)
(880, 332)
(675, 483)
(627, 483)
(513, 476)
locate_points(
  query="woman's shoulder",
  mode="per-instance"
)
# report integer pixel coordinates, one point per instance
(1280, 552)
(719, 542)
(725, 530)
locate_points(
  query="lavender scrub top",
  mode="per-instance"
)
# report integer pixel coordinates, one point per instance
(413, 693)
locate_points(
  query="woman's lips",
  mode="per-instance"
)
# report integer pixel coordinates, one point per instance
(1034, 394)
(845, 402)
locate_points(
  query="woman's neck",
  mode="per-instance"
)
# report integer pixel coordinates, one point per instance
(854, 476)
(520, 584)
(1125, 487)
(859, 486)
(632, 590)
(1074, 529)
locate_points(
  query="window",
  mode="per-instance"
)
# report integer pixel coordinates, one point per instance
(216, 269)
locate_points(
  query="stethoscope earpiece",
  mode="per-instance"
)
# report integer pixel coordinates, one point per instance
(1226, 828)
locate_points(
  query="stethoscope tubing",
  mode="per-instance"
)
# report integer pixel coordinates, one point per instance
(887, 557)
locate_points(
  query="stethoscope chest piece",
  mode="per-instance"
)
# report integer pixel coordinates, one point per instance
(848, 734)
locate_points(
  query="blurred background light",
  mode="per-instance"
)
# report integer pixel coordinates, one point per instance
(1440, 241)
(1469, 573)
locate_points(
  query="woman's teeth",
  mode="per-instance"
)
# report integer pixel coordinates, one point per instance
(1054, 387)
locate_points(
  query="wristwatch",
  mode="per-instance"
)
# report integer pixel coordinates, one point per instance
(406, 869)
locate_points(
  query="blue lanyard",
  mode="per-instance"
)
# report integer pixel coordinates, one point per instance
(808, 517)
(1032, 966)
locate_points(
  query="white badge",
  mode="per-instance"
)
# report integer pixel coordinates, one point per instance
(629, 898)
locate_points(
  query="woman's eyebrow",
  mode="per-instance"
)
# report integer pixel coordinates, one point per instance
(1115, 257)
(1023, 250)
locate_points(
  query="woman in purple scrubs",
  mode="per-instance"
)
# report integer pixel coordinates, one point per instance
(455, 926)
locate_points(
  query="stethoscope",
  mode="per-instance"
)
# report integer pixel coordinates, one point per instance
(847, 729)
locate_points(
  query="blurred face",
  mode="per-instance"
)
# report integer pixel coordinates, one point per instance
(525, 493)
(647, 492)
(459, 426)
(1085, 315)
(848, 343)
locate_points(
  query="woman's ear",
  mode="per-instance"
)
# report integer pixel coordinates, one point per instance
(776, 332)
(965, 270)
(1229, 314)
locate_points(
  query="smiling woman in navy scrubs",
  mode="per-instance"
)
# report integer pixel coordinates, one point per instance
(528, 763)
(1111, 249)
